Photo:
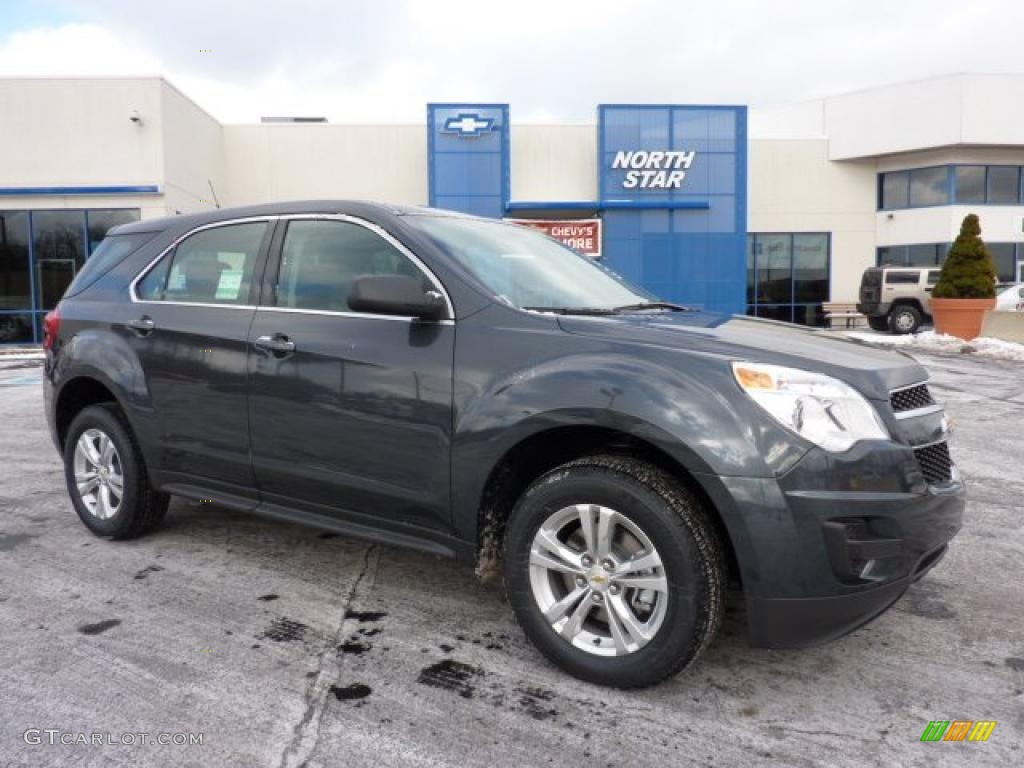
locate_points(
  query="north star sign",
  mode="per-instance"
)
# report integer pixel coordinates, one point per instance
(654, 169)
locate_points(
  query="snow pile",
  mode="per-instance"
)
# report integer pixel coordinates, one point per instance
(35, 354)
(930, 341)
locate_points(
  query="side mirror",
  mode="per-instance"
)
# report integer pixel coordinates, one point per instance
(396, 295)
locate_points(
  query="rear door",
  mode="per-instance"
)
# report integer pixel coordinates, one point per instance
(189, 325)
(351, 413)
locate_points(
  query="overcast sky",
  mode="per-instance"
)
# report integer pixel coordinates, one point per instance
(552, 60)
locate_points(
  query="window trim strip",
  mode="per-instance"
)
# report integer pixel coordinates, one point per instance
(379, 231)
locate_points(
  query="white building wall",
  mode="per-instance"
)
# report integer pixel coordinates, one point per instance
(795, 188)
(272, 162)
(76, 132)
(554, 162)
(193, 151)
(938, 112)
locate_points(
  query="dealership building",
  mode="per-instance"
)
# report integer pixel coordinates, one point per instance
(770, 211)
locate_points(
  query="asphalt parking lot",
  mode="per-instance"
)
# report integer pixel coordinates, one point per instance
(284, 646)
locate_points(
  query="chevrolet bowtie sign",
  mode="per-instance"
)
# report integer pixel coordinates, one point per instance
(469, 124)
(653, 170)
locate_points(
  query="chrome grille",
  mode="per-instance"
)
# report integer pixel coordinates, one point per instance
(911, 398)
(936, 464)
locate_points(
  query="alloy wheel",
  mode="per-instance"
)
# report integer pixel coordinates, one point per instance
(99, 475)
(598, 580)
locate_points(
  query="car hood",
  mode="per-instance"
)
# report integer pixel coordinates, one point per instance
(873, 371)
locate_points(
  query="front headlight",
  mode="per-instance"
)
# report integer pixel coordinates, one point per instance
(819, 408)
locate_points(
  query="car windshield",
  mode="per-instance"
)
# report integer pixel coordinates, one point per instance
(528, 270)
(1001, 289)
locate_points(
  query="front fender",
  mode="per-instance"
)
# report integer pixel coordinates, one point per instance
(676, 402)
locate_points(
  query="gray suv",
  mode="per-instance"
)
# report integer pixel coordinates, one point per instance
(473, 389)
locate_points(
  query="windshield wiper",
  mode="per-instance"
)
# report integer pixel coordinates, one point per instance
(654, 305)
(572, 310)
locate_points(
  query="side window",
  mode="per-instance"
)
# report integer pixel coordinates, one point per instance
(320, 260)
(933, 276)
(214, 266)
(908, 278)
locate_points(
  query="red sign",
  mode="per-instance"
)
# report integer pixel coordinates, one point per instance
(583, 235)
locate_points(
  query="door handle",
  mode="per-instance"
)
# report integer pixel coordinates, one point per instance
(277, 344)
(143, 326)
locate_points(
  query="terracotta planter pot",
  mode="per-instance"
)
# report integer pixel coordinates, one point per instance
(961, 317)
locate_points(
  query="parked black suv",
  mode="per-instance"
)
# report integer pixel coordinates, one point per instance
(475, 389)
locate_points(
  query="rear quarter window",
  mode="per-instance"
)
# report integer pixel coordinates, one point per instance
(902, 278)
(108, 254)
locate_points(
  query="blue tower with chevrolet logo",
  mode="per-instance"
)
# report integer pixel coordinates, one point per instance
(672, 190)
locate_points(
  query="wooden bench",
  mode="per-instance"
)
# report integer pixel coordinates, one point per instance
(838, 311)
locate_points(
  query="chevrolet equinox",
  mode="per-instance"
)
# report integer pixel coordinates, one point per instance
(474, 389)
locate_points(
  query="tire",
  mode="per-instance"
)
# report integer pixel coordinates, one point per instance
(679, 616)
(878, 323)
(904, 318)
(139, 508)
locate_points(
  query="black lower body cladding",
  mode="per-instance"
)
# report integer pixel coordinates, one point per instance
(817, 563)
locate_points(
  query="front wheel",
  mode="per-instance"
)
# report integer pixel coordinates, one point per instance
(878, 323)
(614, 571)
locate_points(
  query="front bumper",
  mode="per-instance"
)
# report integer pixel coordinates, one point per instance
(835, 542)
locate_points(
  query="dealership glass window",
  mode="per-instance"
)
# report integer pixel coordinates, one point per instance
(788, 276)
(15, 280)
(810, 268)
(41, 251)
(1005, 256)
(924, 255)
(58, 245)
(929, 186)
(16, 328)
(99, 221)
(918, 255)
(1003, 185)
(970, 183)
(774, 269)
(1005, 260)
(895, 190)
(751, 274)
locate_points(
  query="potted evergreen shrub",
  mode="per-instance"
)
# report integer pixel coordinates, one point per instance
(967, 285)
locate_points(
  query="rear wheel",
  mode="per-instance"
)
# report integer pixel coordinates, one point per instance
(904, 318)
(106, 476)
(614, 571)
(878, 323)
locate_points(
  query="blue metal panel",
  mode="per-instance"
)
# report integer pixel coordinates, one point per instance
(468, 158)
(145, 189)
(694, 249)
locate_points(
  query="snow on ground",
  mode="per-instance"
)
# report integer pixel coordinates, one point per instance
(930, 341)
(4, 357)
